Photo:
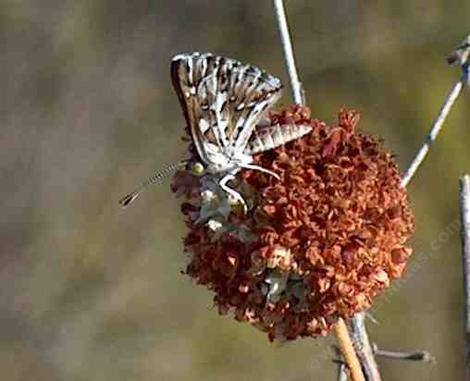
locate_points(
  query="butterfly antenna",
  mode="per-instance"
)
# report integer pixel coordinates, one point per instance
(155, 179)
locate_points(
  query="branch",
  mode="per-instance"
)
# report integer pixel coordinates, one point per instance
(342, 334)
(342, 375)
(357, 325)
(434, 132)
(458, 56)
(412, 356)
(465, 221)
(358, 331)
(295, 85)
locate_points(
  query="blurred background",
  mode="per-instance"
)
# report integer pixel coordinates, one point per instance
(91, 292)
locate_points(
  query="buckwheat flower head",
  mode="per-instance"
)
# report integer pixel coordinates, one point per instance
(319, 243)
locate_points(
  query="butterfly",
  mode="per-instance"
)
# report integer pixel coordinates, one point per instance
(224, 102)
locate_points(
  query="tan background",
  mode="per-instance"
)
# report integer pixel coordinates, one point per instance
(91, 292)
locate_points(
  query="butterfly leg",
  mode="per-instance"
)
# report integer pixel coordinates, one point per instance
(231, 192)
(261, 169)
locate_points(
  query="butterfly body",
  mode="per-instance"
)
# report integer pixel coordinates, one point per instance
(217, 162)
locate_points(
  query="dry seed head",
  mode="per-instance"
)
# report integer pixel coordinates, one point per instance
(321, 242)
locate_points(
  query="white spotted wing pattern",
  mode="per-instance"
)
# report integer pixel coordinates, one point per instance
(223, 101)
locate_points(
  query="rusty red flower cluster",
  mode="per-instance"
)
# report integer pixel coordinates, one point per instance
(317, 244)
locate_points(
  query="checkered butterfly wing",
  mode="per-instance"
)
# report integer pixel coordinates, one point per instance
(223, 101)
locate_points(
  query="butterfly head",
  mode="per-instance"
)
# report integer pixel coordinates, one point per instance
(197, 168)
(220, 164)
(216, 167)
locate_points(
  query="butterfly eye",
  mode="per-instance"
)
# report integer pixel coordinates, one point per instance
(197, 169)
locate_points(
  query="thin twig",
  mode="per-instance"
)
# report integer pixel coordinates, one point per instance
(295, 85)
(347, 350)
(465, 220)
(434, 132)
(358, 331)
(342, 375)
(459, 56)
(357, 326)
(342, 334)
(411, 356)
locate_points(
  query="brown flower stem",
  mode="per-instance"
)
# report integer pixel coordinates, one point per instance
(347, 350)
(465, 221)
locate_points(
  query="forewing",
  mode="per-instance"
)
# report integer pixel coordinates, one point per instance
(234, 98)
(187, 71)
(222, 100)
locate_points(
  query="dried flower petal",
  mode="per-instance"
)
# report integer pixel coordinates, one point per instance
(317, 244)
